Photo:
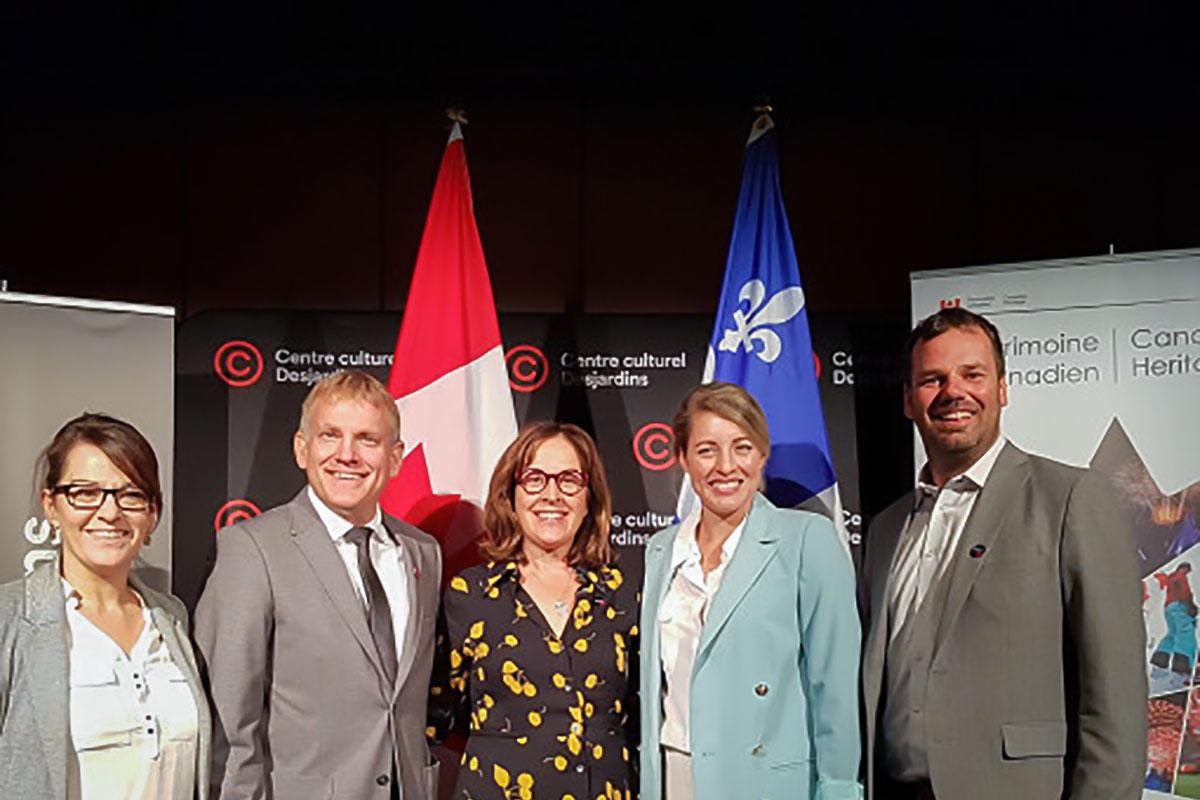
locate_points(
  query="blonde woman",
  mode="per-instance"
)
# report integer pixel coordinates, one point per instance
(750, 631)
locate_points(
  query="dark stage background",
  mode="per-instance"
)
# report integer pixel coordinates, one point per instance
(266, 156)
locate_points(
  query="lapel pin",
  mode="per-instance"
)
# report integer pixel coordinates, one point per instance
(978, 550)
(416, 572)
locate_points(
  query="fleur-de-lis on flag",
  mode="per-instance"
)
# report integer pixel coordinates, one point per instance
(753, 324)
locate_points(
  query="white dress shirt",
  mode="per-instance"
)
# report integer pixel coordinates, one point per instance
(133, 719)
(387, 556)
(931, 535)
(681, 621)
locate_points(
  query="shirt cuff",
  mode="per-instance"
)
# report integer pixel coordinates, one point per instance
(838, 790)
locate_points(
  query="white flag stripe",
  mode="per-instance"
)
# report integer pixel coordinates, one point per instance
(463, 430)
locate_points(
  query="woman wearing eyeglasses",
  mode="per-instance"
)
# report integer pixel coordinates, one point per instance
(536, 645)
(99, 694)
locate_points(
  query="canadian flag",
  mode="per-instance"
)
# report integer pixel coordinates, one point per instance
(448, 376)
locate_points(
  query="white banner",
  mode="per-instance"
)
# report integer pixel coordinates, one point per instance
(1103, 361)
(60, 357)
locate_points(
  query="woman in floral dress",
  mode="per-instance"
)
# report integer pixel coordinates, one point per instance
(535, 646)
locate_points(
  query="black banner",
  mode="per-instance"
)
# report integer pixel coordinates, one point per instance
(241, 378)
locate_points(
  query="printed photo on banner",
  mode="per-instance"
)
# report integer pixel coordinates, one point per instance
(1165, 731)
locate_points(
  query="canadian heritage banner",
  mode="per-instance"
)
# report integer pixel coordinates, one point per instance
(448, 375)
(761, 340)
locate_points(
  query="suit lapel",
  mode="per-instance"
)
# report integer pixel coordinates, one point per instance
(412, 567)
(310, 535)
(754, 551)
(658, 561)
(46, 616)
(984, 526)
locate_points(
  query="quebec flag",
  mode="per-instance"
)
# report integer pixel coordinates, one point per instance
(761, 340)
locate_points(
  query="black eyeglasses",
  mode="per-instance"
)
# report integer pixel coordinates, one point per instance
(89, 498)
(570, 481)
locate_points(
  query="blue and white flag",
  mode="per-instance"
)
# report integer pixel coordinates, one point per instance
(761, 340)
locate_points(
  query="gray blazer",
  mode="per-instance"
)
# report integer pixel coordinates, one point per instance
(35, 741)
(300, 706)
(1037, 687)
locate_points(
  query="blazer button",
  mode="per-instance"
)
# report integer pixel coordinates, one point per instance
(757, 751)
(761, 690)
(383, 780)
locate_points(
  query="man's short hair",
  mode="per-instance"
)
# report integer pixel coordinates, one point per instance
(350, 384)
(936, 324)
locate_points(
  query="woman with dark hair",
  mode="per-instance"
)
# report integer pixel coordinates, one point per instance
(535, 646)
(99, 691)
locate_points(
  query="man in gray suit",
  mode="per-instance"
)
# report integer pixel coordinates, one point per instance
(1005, 640)
(316, 625)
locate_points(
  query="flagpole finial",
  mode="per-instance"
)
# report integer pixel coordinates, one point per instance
(762, 123)
(764, 108)
(456, 113)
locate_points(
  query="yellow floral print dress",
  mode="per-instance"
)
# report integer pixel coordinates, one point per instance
(546, 717)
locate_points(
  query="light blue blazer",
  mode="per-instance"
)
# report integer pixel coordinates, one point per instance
(774, 695)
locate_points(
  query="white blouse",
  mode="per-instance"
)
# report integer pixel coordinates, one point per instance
(681, 622)
(134, 726)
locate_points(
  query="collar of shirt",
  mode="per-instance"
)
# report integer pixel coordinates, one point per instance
(74, 599)
(596, 582)
(974, 478)
(686, 550)
(338, 526)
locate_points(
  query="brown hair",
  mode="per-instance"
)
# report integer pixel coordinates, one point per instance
(350, 384)
(953, 317)
(726, 400)
(503, 536)
(121, 442)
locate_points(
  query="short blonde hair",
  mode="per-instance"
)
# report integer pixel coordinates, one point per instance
(350, 384)
(503, 535)
(728, 401)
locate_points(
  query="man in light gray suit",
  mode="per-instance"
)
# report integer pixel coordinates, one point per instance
(316, 626)
(1005, 640)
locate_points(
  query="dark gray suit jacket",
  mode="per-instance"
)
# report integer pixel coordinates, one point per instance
(300, 706)
(1037, 688)
(35, 741)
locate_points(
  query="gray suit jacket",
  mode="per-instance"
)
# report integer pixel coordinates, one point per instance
(1037, 687)
(35, 740)
(299, 701)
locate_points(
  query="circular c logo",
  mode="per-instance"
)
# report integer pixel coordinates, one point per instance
(238, 363)
(527, 368)
(234, 511)
(654, 446)
(817, 365)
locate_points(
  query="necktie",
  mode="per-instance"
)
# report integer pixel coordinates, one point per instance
(379, 614)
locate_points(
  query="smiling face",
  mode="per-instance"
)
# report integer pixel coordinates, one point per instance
(724, 465)
(349, 452)
(103, 541)
(550, 519)
(954, 395)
